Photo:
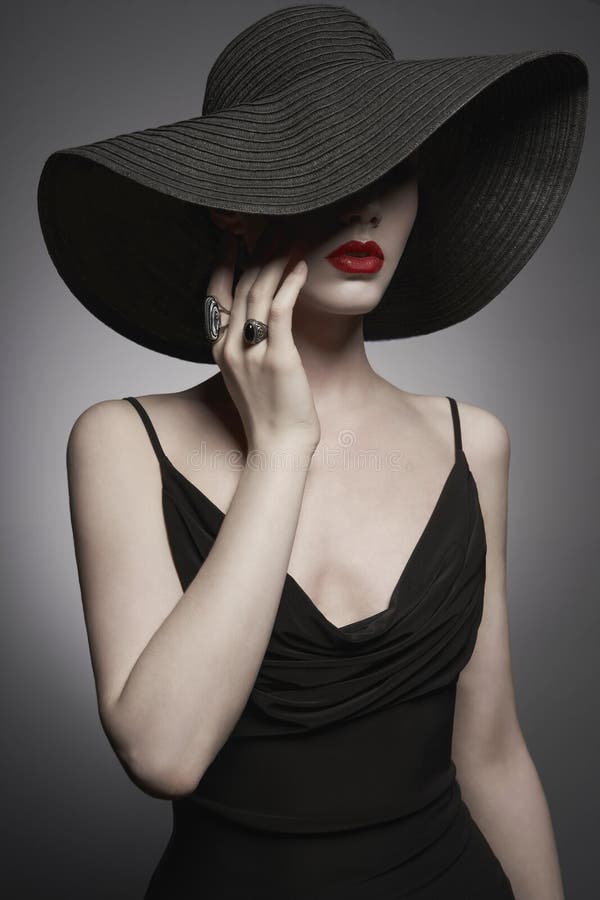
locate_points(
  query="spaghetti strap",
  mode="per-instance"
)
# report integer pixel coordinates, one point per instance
(456, 423)
(149, 427)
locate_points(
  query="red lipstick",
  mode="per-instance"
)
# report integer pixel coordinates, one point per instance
(357, 256)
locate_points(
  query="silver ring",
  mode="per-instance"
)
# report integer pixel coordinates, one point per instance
(212, 318)
(255, 331)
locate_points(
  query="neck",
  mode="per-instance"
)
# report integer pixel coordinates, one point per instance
(333, 354)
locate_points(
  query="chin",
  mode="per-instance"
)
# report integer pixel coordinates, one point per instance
(350, 304)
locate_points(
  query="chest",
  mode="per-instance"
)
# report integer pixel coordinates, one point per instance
(357, 532)
(364, 512)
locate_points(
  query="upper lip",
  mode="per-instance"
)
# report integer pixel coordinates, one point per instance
(370, 248)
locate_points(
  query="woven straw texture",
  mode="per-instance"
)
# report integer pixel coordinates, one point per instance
(125, 220)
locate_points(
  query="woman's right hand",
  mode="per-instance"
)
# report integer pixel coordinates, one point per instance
(267, 381)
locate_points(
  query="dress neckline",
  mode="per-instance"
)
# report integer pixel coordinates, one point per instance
(459, 460)
(370, 624)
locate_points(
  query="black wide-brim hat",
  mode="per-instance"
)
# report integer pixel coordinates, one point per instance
(307, 106)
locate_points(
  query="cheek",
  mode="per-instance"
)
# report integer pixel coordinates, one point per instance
(405, 195)
(401, 211)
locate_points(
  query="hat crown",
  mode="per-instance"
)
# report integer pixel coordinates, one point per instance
(281, 47)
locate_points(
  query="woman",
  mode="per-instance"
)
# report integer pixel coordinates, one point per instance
(311, 660)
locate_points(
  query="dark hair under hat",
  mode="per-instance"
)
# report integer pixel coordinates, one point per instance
(126, 220)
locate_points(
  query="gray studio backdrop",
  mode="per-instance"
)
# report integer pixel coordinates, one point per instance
(76, 72)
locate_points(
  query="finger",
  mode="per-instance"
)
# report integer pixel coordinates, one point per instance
(282, 308)
(269, 279)
(220, 286)
(298, 251)
(247, 276)
(239, 303)
(244, 301)
(258, 283)
(220, 283)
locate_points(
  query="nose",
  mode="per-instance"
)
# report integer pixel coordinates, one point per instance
(361, 211)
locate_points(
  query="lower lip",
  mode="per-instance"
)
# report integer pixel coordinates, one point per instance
(357, 264)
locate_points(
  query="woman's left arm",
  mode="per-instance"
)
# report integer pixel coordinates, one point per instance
(497, 776)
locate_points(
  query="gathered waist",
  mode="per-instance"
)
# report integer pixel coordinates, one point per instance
(239, 862)
(370, 770)
(370, 807)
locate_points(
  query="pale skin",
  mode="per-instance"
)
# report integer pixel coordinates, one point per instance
(173, 671)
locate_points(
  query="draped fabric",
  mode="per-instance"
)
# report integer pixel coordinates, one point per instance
(345, 740)
(314, 673)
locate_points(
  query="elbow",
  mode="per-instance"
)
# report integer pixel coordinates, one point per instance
(165, 782)
(159, 777)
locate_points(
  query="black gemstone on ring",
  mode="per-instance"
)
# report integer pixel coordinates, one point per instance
(249, 332)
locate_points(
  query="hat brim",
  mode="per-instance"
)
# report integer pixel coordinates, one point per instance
(126, 222)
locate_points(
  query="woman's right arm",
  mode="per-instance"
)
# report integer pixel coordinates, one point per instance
(173, 672)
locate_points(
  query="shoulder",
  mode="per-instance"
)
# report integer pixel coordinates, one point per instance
(111, 433)
(485, 441)
(100, 428)
(101, 422)
(100, 413)
(109, 443)
(485, 436)
(486, 445)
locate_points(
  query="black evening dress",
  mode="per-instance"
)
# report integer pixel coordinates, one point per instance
(337, 781)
